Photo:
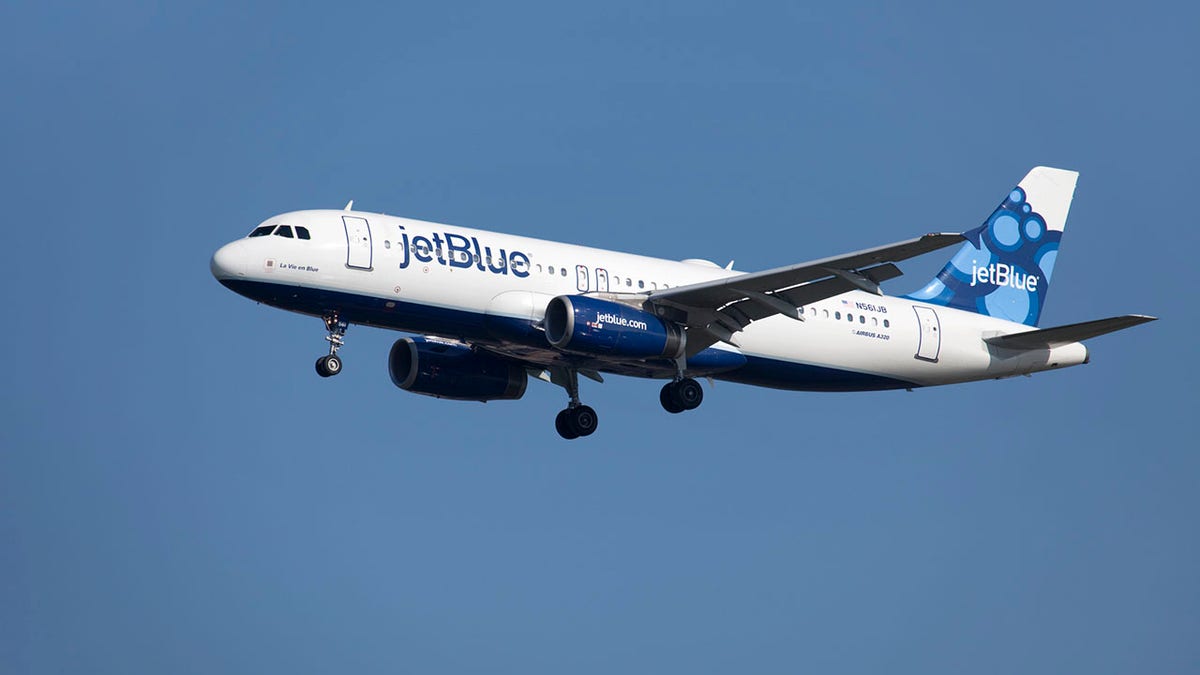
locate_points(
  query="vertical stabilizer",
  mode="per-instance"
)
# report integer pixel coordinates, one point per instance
(1004, 268)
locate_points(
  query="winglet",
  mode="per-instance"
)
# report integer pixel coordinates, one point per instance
(349, 206)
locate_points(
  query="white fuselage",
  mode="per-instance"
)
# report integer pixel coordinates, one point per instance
(483, 287)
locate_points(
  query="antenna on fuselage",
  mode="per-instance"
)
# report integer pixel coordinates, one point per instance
(349, 206)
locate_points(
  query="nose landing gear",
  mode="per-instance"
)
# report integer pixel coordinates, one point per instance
(330, 365)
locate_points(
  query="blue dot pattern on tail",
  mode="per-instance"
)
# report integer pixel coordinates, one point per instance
(1004, 269)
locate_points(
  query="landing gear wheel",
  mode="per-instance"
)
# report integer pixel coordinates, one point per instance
(667, 399)
(689, 393)
(686, 394)
(563, 425)
(583, 420)
(328, 366)
(575, 422)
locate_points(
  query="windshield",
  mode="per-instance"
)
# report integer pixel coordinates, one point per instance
(280, 231)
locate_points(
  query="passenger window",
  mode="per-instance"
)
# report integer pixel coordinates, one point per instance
(539, 268)
(550, 269)
(284, 231)
(826, 313)
(850, 318)
(387, 243)
(887, 324)
(641, 284)
(862, 319)
(262, 231)
(837, 315)
(302, 232)
(629, 282)
(874, 321)
(564, 272)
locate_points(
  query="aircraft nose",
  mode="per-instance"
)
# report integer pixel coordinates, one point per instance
(226, 263)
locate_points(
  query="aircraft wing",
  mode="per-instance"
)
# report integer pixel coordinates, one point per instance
(714, 310)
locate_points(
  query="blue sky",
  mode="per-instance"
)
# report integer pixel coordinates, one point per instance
(179, 491)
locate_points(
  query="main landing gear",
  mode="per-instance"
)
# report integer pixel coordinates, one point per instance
(576, 419)
(682, 394)
(330, 365)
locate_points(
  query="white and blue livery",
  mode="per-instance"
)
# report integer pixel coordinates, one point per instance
(494, 309)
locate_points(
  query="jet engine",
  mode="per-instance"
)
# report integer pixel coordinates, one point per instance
(454, 371)
(577, 323)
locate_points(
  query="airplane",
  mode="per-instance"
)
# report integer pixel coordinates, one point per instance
(491, 310)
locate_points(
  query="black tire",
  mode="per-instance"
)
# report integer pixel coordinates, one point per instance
(328, 366)
(583, 420)
(689, 393)
(667, 398)
(563, 426)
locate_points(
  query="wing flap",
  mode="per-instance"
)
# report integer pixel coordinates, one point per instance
(1047, 338)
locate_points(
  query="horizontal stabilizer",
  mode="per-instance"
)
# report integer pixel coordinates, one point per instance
(1062, 335)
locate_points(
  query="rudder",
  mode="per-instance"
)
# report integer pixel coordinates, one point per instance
(1004, 268)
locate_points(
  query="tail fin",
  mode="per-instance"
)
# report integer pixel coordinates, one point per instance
(1004, 268)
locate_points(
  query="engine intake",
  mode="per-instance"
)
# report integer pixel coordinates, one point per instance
(586, 325)
(454, 371)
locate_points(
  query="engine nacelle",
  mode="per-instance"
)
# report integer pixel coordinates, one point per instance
(454, 371)
(586, 325)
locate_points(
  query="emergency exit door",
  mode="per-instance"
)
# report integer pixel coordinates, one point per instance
(358, 242)
(931, 334)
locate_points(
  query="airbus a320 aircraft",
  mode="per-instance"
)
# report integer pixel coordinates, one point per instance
(494, 309)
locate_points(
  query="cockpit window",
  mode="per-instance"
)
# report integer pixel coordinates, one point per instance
(262, 231)
(284, 231)
(302, 232)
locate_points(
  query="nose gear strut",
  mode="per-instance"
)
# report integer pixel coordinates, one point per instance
(330, 365)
